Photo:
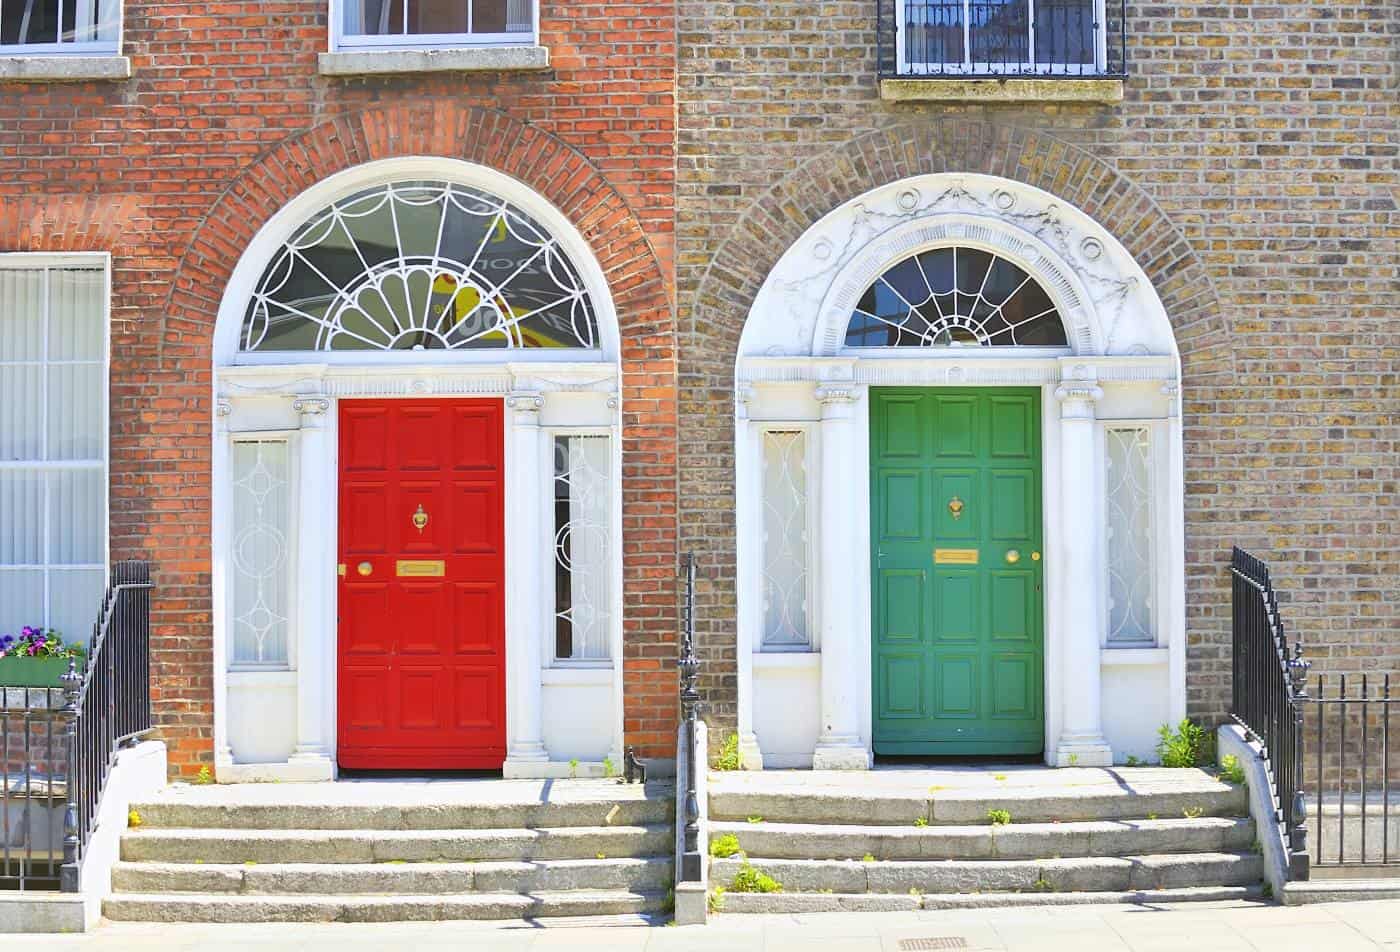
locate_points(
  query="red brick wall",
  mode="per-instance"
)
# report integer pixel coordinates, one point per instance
(224, 119)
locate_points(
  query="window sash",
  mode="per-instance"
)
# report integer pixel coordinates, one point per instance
(345, 35)
(54, 437)
(907, 14)
(786, 538)
(99, 34)
(581, 549)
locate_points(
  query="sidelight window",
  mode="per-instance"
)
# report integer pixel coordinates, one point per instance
(435, 23)
(1130, 535)
(262, 562)
(53, 445)
(59, 26)
(583, 583)
(785, 540)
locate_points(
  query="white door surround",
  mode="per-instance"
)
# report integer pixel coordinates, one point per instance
(278, 721)
(1104, 696)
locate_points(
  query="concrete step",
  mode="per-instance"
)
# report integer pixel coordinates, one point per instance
(1081, 874)
(165, 907)
(171, 813)
(1014, 841)
(219, 845)
(421, 879)
(1204, 797)
(796, 902)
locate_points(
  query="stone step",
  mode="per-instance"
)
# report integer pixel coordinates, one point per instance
(171, 813)
(1081, 874)
(165, 907)
(964, 807)
(218, 845)
(796, 902)
(1014, 841)
(421, 879)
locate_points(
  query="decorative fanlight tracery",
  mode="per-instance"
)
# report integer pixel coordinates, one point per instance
(955, 296)
(420, 266)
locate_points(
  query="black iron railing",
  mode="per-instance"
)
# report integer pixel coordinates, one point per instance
(1350, 783)
(58, 745)
(1268, 693)
(969, 39)
(692, 860)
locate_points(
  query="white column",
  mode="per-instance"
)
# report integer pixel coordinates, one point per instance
(526, 564)
(315, 588)
(221, 463)
(1081, 741)
(748, 522)
(1173, 555)
(839, 744)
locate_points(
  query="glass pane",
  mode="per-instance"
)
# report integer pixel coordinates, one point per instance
(260, 553)
(21, 600)
(785, 539)
(1064, 32)
(1129, 535)
(21, 314)
(1000, 32)
(420, 266)
(76, 414)
(582, 530)
(933, 33)
(428, 17)
(77, 504)
(953, 297)
(76, 330)
(26, 22)
(21, 518)
(75, 597)
(21, 412)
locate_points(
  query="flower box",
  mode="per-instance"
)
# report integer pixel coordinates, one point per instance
(21, 672)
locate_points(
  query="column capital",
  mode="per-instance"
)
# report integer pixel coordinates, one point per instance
(525, 402)
(743, 401)
(312, 409)
(1171, 390)
(1077, 398)
(837, 400)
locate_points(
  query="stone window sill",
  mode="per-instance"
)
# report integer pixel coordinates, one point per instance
(64, 68)
(457, 60)
(1002, 90)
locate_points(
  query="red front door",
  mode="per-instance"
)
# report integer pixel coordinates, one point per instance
(422, 612)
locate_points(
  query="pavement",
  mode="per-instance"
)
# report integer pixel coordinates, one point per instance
(1193, 927)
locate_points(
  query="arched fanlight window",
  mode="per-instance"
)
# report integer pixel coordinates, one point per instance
(955, 296)
(419, 266)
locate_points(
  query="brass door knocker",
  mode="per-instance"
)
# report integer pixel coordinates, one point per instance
(955, 506)
(420, 519)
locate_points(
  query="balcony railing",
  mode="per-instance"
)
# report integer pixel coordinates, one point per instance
(1000, 39)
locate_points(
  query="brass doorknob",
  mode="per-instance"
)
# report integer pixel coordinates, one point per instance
(364, 568)
(1035, 556)
(1012, 556)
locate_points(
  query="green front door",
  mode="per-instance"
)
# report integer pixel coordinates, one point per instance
(956, 539)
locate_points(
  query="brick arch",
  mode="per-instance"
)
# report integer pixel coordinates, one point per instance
(781, 215)
(446, 128)
(715, 308)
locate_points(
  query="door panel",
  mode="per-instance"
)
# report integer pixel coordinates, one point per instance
(422, 629)
(968, 637)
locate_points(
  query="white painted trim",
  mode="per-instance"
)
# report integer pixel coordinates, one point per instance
(768, 661)
(1124, 657)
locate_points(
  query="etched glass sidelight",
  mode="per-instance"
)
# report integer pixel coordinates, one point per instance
(785, 539)
(955, 296)
(420, 266)
(1129, 535)
(261, 554)
(582, 561)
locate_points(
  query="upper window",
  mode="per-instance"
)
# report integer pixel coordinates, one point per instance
(420, 266)
(53, 445)
(955, 296)
(1004, 37)
(434, 23)
(59, 26)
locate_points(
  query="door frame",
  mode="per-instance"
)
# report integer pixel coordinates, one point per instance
(1045, 587)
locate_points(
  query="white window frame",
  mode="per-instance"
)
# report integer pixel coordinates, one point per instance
(551, 656)
(1158, 514)
(810, 460)
(93, 47)
(341, 41)
(33, 261)
(973, 70)
(292, 440)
